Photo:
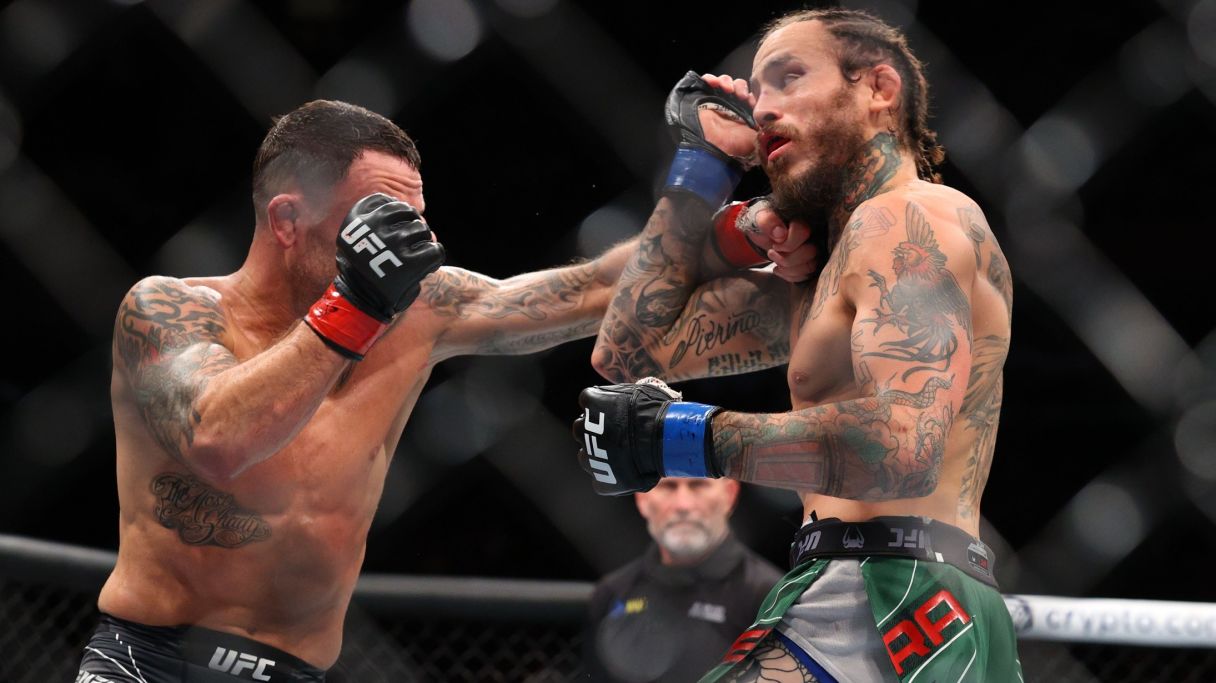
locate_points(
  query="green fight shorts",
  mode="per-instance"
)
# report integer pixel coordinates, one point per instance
(876, 619)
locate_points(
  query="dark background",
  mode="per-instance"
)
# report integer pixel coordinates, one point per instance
(127, 131)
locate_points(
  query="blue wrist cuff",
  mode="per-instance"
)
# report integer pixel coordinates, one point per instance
(684, 427)
(704, 174)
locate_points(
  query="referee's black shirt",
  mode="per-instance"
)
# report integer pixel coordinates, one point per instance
(651, 622)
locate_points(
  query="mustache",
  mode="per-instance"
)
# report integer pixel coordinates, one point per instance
(693, 522)
(782, 129)
(774, 130)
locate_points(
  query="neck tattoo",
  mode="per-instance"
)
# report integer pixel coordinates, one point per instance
(877, 162)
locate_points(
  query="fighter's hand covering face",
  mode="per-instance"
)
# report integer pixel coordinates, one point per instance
(710, 119)
(710, 126)
(722, 127)
(384, 250)
(631, 435)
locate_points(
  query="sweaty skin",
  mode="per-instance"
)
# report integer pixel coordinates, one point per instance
(895, 354)
(251, 457)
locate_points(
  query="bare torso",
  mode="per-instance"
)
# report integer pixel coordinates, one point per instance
(274, 553)
(821, 368)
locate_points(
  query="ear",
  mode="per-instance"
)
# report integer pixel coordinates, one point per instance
(885, 85)
(643, 509)
(283, 216)
(732, 493)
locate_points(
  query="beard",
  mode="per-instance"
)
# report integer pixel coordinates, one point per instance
(309, 275)
(814, 195)
(687, 540)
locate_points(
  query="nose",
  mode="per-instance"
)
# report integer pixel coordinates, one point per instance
(767, 109)
(683, 498)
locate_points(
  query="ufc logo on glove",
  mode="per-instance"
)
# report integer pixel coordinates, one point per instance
(360, 235)
(632, 434)
(603, 472)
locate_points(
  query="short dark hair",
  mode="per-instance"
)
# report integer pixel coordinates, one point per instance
(863, 41)
(317, 143)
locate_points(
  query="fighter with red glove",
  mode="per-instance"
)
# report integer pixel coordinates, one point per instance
(384, 251)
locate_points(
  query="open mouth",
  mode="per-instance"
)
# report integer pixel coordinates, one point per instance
(771, 142)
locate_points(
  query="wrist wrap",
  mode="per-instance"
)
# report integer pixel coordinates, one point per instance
(704, 174)
(342, 326)
(686, 440)
(732, 243)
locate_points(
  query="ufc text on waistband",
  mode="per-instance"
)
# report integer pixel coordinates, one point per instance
(895, 537)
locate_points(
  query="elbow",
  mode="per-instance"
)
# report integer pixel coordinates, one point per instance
(915, 465)
(605, 362)
(918, 484)
(215, 461)
(621, 355)
(919, 472)
(907, 472)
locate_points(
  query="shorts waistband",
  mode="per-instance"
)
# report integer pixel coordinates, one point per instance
(915, 537)
(228, 653)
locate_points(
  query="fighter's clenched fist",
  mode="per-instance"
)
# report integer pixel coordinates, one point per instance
(631, 435)
(384, 250)
(750, 233)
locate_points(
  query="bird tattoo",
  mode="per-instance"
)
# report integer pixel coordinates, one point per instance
(922, 302)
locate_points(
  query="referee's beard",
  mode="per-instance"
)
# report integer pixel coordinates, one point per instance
(688, 540)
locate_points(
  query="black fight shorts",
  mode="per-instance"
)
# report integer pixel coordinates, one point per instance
(122, 651)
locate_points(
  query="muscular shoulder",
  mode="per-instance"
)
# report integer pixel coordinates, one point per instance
(918, 223)
(161, 315)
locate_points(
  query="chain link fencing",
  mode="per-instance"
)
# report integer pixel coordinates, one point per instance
(450, 630)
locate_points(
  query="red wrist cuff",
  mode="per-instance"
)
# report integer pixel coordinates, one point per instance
(732, 243)
(344, 327)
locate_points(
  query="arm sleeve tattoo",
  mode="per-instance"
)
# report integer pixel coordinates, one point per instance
(167, 337)
(523, 314)
(663, 321)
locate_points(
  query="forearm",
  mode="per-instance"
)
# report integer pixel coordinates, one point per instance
(526, 313)
(248, 412)
(654, 289)
(864, 449)
(554, 307)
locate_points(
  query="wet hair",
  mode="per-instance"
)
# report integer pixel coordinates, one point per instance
(864, 41)
(316, 144)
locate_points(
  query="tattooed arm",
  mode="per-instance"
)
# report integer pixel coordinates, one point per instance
(212, 413)
(662, 323)
(911, 359)
(525, 313)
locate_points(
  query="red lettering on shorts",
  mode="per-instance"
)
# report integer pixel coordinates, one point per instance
(744, 644)
(914, 646)
(922, 624)
(934, 628)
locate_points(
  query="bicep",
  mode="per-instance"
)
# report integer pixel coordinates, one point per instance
(911, 335)
(731, 325)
